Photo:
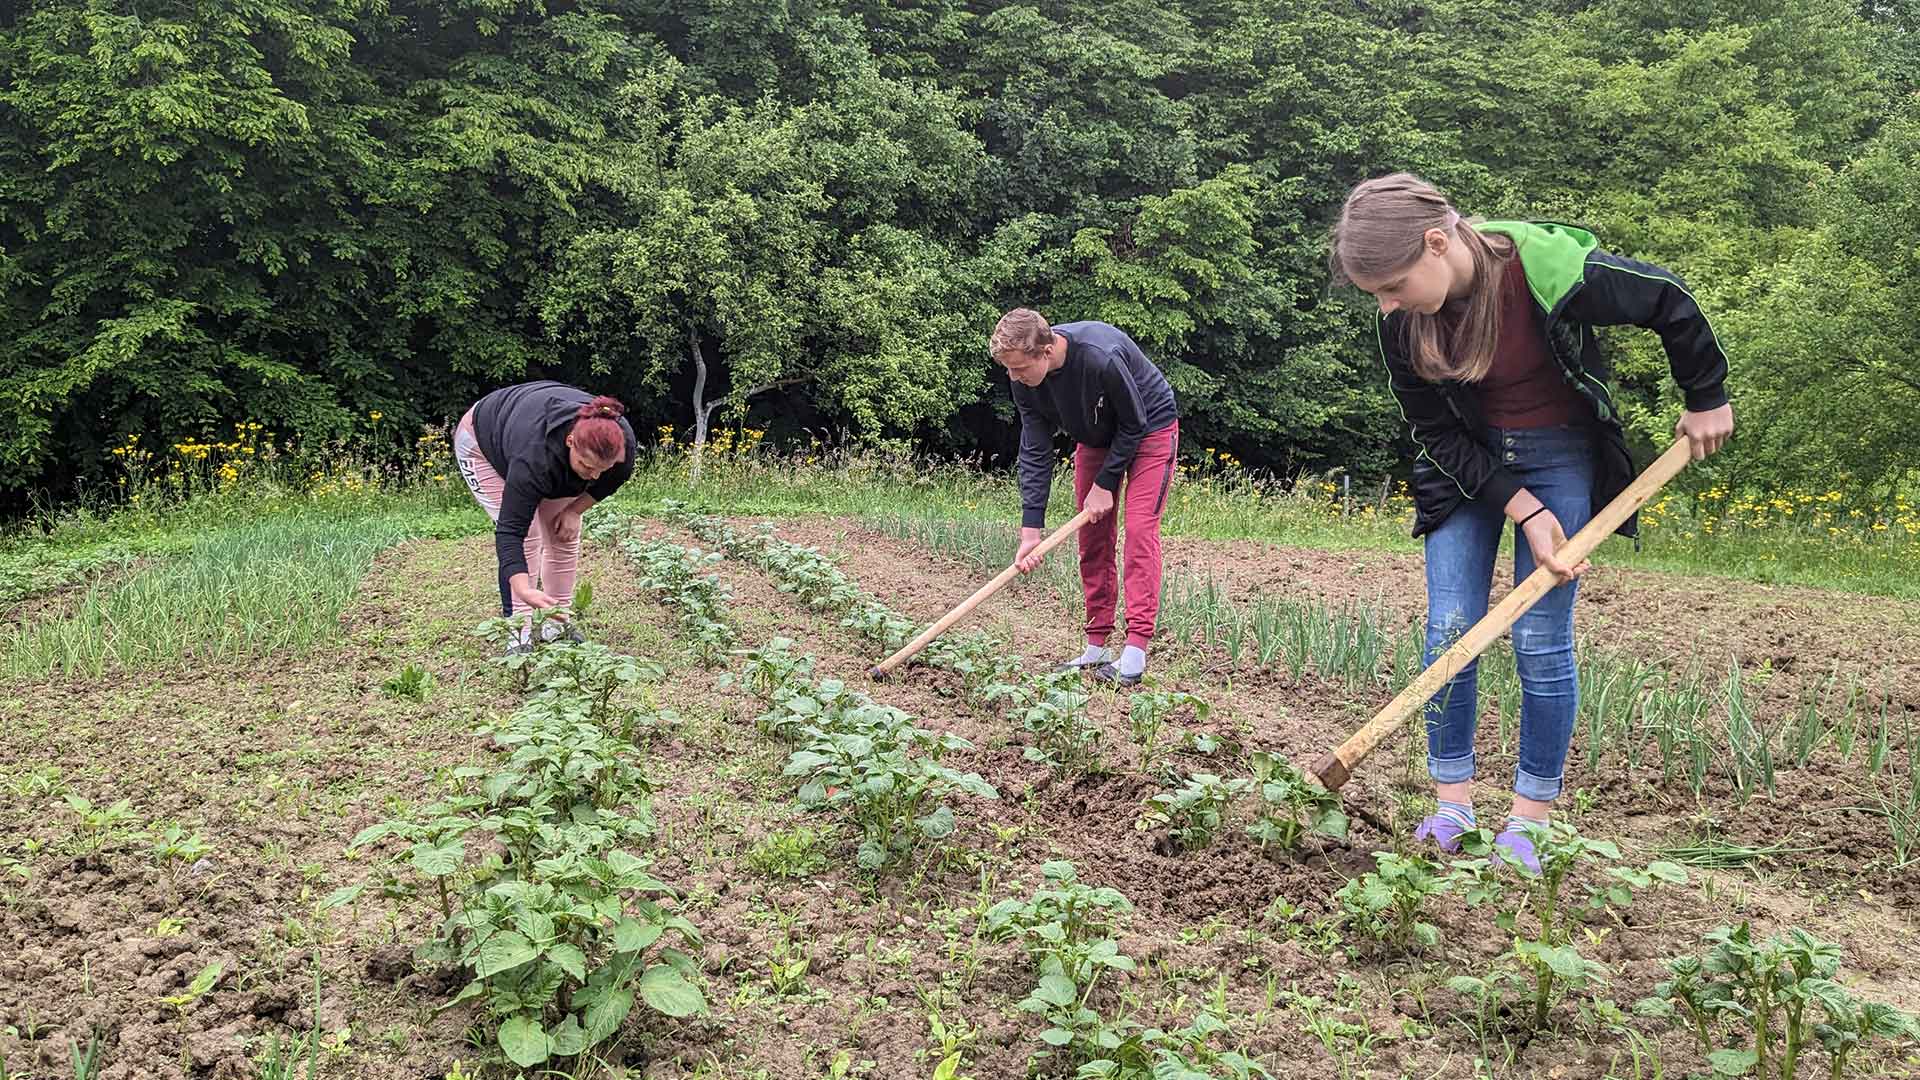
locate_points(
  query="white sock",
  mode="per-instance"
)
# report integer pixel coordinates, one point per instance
(1133, 660)
(1095, 654)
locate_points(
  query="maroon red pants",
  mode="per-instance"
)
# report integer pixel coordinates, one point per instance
(1144, 498)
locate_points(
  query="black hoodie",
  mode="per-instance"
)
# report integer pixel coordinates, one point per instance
(522, 432)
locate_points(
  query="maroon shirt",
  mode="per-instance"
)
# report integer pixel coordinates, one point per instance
(1524, 388)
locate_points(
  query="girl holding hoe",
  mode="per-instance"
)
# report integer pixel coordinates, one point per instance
(1487, 333)
(536, 456)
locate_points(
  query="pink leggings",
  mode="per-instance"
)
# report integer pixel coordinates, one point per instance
(1144, 500)
(552, 565)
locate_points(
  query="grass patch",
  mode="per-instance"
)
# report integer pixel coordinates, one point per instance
(243, 590)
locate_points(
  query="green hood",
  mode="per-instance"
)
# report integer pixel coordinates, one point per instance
(1554, 257)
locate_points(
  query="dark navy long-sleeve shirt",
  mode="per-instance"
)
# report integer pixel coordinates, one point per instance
(1106, 394)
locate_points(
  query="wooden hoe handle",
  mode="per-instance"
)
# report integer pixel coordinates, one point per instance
(1334, 769)
(999, 582)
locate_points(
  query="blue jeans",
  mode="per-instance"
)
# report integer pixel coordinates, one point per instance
(1556, 465)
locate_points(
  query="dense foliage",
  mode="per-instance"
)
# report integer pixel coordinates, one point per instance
(806, 214)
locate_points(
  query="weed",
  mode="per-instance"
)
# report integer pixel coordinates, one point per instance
(794, 853)
(412, 683)
(96, 827)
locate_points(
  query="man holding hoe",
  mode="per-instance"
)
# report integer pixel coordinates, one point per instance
(1090, 380)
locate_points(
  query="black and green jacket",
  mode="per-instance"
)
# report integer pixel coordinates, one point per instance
(1578, 287)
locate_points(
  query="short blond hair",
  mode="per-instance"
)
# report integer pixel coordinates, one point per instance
(1022, 330)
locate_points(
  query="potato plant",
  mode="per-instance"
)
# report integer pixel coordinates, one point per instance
(1192, 813)
(1147, 716)
(555, 747)
(1385, 904)
(564, 933)
(1551, 957)
(596, 673)
(885, 773)
(503, 632)
(561, 967)
(1766, 989)
(1067, 929)
(826, 705)
(812, 577)
(1053, 709)
(435, 851)
(1292, 805)
(771, 668)
(674, 574)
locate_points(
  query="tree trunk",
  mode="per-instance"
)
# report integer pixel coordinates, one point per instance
(701, 410)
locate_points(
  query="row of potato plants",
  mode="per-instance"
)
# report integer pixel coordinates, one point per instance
(852, 755)
(1052, 708)
(1739, 994)
(529, 866)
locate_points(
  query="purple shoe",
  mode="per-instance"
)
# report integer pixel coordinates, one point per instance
(1444, 831)
(1520, 845)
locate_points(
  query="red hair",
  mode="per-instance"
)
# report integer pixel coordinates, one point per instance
(597, 432)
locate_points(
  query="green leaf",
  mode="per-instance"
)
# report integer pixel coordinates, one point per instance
(1054, 1036)
(606, 1013)
(632, 936)
(1656, 1007)
(937, 824)
(568, 1039)
(1333, 823)
(502, 952)
(1888, 1021)
(525, 1041)
(571, 960)
(439, 860)
(1057, 990)
(204, 981)
(536, 925)
(343, 896)
(1671, 873)
(668, 991)
(373, 832)
(1564, 961)
(472, 990)
(1733, 1062)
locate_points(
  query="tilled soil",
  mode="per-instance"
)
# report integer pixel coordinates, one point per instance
(279, 764)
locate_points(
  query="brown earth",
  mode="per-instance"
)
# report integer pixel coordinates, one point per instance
(279, 764)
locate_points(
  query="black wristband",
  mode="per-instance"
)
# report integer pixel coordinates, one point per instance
(1537, 512)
